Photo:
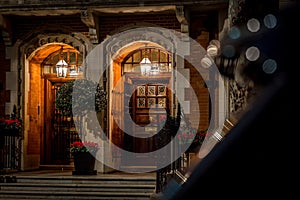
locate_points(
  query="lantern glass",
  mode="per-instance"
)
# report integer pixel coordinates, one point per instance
(145, 67)
(61, 69)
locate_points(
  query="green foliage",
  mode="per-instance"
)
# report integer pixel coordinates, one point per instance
(80, 96)
(63, 99)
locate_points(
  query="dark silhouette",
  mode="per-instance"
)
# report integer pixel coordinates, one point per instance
(257, 158)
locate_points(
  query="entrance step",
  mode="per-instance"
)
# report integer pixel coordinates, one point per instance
(137, 168)
(57, 167)
(109, 187)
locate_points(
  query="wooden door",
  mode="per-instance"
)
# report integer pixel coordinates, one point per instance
(138, 107)
(150, 103)
(59, 130)
(117, 119)
(149, 106)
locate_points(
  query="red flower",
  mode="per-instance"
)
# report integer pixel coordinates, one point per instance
(179, 136)
(77, 147)
(77, 144)
(10, 124)
(162, 117)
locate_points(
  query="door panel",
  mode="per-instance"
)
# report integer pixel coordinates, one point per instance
(150, 104)
(59, 130)
(138, 108)
(118, 115)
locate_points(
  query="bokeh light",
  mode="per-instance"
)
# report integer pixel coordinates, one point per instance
(252, 53)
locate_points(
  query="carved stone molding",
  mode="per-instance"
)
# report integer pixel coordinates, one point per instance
(237, 12)
(93, 35)
(182, 17)
(43, 39)
(155, 35)
(87, 17)
(238, 97)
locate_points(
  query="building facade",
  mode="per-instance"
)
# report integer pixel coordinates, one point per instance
(105, 42)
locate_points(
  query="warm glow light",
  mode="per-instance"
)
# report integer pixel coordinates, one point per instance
(61, 69)
(154, 69)
(145, 67)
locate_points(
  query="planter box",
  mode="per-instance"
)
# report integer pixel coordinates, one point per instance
(84, 164)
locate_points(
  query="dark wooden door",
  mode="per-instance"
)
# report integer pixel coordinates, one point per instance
(59, 130)
(150, 103)
(138, 107)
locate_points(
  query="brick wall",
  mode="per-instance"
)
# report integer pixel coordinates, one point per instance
(110, 24)
(203, 28)
(4, 67)
(26, 26)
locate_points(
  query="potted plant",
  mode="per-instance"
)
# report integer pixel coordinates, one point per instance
(189, 136)
(10, 125)
(84, 157)
(75, 99)
(81, 96)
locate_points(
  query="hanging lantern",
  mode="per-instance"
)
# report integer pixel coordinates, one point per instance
(145, 66)
(61, 66)
(61, 69)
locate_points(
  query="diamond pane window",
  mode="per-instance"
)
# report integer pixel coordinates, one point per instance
(141, 102)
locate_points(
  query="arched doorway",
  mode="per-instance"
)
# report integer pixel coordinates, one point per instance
(140, 100)
(59, 129)
(49, 133)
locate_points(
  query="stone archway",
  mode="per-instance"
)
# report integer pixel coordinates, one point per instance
(104, 62)
(33, 88)
(124, 104)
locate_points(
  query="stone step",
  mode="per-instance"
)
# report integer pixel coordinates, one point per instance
(77, 187)
(75, 194)
(108, 187)
(85, 180)
(56, 197)
(57, 167)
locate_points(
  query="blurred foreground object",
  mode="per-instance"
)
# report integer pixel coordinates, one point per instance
(257, 157)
